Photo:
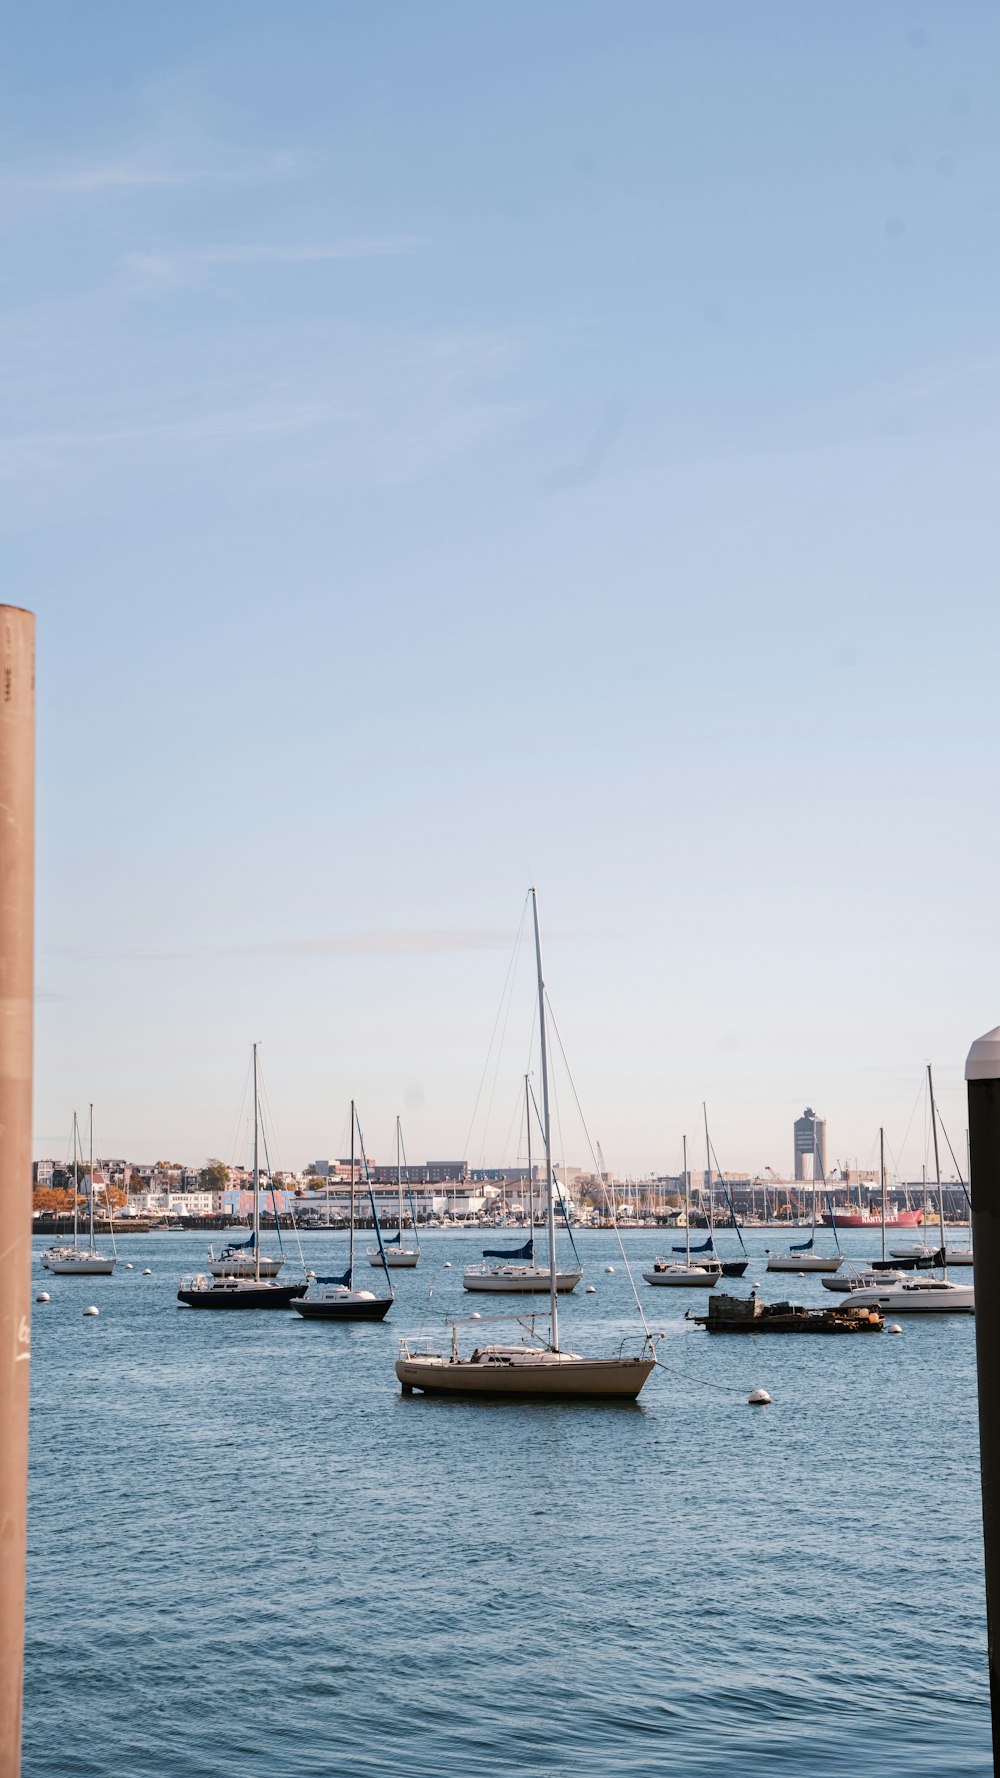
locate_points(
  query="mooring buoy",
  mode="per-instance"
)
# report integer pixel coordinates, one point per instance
(92, 1310)
(894, 1327)
(758, 1398)
(43, 1297)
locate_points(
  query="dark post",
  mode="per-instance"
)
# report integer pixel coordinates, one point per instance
(982, 1071)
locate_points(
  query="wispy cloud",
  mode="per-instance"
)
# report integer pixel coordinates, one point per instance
(161, 165)
(280, 417)
(173, 267)
(383, 942)
(373, 942)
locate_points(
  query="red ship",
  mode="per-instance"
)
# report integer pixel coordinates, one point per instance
(870, 1219)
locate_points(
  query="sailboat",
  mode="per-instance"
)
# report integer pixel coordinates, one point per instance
(244, 1289)
(335, 1298)
(730, 1268)
(238, 1259)
(924, 1294)
(519, 1274)
(802, 1255)
(548, 1372)
(704, 1273)
(391, 1251)
(76, 1261)
(879, 1272)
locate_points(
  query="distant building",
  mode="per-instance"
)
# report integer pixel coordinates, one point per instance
(810, 1142)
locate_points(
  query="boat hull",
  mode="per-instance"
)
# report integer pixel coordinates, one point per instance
(870, 1219)
(542, 1379)
(804, 1262)
(684, 1277)
(251, 1296)
(520, 1281)
(89, 1266)
(244, 1268)
(374, 1308)
(396, 1258)
(919, 1299)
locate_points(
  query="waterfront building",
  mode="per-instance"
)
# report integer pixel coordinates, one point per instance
(809, 1140)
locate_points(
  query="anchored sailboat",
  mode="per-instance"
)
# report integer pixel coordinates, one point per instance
(923, 1294)
(519, 1275)
(391, 1251)
(802, 1255)
(528, 1371)
(705, 1273)
(335, 1298)
(76, 1261)
(249, 1289)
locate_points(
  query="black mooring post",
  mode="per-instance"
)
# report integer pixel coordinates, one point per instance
(982, 1071)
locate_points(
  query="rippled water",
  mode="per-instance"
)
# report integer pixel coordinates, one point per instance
(250, 1555)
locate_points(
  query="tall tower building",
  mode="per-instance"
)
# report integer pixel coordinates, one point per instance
(810, 1140)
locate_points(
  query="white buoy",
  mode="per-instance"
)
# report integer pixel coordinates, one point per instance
(894, 1327)
(609, 1268)
(801, 1274)
(758, 1398)
(43, 1297)
(147, 1271)
(756, 1283)
(475, 1316)
(447, 1265)
(591, 1290)
(128, 1268)
(92, 1310)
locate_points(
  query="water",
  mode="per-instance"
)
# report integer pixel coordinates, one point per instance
(249, 1555)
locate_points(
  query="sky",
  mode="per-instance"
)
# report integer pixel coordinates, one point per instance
(450, 448)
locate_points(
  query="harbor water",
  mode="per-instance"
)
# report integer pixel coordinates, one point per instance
(251, 1557)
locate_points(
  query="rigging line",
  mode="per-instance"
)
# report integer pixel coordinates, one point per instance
(608, 1198)
(496, 1070)
(489, 1052)
(913, 1114)
(954, 1158)
(229, 1152)
(518, 1112)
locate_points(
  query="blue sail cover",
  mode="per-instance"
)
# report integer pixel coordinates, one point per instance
(524, 1252)
(801, 1246)
(393, 1240)
(237, 1247)
(706, 1247)
(344, 1278)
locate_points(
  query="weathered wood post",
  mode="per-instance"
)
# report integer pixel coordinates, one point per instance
(982, 1071)
(17, 867)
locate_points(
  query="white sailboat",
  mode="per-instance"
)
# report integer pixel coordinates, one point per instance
(689, 1274)
(528, 1371)
(392, 1252)
(802, 1255)
(518, 1274)
(335, 1298)
(74, 1261)
(921, 1293)
(243, 1289)
(857, 1278)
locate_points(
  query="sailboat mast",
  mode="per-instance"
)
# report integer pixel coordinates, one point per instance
(881, 1167)
(76, 1184)
(351, 1282)
(546, 1131)
(937, 1173)
(687, 1207)
(399, 1185)
(90, 1194)
(708, 1178)
(531, 1198)
(256, 1175)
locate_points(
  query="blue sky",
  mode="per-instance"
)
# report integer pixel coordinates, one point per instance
(449, 447)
